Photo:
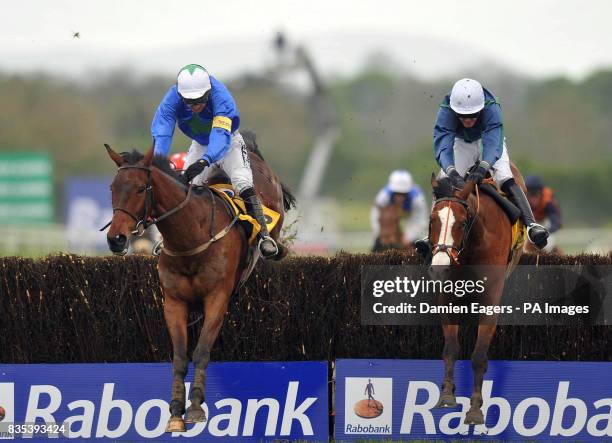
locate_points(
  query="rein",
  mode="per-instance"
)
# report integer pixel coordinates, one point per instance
(453, 251)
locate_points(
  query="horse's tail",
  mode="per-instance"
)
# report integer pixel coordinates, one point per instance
(250, 140)
(288, 198)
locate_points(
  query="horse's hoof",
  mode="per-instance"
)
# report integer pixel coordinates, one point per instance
(447, 401)
(474, 417)
(195, 415)
(175, 424)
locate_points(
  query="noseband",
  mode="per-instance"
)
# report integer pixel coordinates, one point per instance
(453, 251)
(147, 219)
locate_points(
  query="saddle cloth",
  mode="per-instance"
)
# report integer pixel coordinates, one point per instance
(236, 204)
(519, 230)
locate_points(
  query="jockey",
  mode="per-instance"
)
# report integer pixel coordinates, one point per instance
(401, 190)
(468, 118)
(206, 112)
(544, 205)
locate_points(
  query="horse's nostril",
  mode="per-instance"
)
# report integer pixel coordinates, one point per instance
(120, 239)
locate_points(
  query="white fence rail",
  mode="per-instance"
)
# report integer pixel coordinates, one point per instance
(43, 240)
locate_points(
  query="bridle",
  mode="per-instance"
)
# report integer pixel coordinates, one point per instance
(147, 219)
(453, 251)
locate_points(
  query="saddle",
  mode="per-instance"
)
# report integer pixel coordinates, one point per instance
(236, 207)
(519, 231)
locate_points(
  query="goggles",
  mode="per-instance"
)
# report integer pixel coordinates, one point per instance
(196, 101)
(468, 116)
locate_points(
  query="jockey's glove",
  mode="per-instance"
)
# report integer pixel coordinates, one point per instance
(194, 170)
(478, 174)
(456, 179)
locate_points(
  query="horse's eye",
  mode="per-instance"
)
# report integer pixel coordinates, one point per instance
(141, 189)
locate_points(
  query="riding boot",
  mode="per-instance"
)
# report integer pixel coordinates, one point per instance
(267, 245)
(538, 234)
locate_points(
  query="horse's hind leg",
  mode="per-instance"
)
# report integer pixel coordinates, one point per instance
(449, 354)
(215, 305)
(480, 363)
(175, 313)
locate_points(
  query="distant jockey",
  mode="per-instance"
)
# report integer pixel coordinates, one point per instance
(177, 161)
(400, 190)
(470, 119)
(206, 112)
(544, 205)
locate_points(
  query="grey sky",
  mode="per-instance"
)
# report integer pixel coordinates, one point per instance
(537, 38)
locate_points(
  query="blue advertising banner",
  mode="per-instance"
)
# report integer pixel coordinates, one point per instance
(129, 402)
(88, 208)
(534, 401)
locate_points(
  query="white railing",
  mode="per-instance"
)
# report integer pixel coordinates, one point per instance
(32, 241)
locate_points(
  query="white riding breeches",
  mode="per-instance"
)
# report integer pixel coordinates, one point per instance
(235, 163)
(466, 154)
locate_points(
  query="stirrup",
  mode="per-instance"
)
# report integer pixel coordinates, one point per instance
(545, 233)
(157, 248)
(266, 238)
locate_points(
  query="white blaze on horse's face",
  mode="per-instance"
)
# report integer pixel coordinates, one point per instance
(447, 220)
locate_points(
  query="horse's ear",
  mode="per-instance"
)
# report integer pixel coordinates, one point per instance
(467, 190)
(148, 157)
(117, 158)
(434, 180)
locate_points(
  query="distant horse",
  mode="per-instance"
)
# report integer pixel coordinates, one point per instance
(204, 258)
(391, 234)
(468, 228)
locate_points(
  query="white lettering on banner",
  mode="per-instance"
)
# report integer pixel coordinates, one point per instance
(227, 423)
(424, 410)
(141, 416)
(599, 425)
(86, 419)
(518, 421)
(253, 406)
(561, 404)
(232, 417)
(45, 414)
(461, 427)
(605, 431)
(292, 413)
(107, 405)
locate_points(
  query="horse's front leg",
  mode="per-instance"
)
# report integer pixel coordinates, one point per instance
(175, 313)
(449, 354)
(215, 306)
(480, 364)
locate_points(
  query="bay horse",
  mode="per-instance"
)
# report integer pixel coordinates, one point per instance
(391, 234)
(204, 258)
(468, 228)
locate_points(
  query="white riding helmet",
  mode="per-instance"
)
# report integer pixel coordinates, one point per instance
(467, 97)
(193, 82)
(400, 181)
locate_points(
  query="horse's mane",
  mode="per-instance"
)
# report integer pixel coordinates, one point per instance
(443, 189)
(159, 161)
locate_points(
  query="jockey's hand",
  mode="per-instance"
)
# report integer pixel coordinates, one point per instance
(478, 174)
(456, 179)
(194, 170)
